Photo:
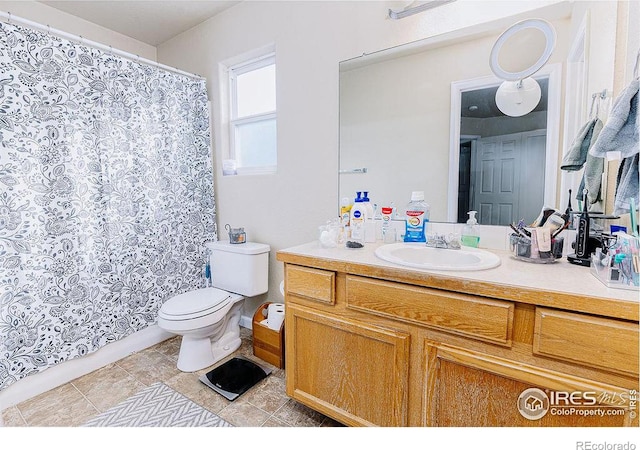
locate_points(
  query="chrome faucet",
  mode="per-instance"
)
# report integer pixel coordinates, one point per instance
(451, 241)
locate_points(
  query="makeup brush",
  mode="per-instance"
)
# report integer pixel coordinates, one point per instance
(519, 232)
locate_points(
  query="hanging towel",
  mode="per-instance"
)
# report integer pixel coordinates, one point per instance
(575, 158)
(593, 169)
(628, 185)
(621, 130)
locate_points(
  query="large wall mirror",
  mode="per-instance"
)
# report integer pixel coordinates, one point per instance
(417, 118)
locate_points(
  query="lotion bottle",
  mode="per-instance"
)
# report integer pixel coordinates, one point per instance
(357, 219)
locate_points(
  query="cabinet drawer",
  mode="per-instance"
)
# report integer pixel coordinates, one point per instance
(314, 284)
(468, 315)
(595, 341)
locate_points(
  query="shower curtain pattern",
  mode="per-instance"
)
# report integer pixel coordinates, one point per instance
(106, 197)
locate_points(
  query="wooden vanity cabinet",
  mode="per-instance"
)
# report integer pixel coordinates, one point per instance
(352, 371)
(369, 351)
(465, 388)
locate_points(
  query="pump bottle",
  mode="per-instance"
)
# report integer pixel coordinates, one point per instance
(357, 219)
(470, 236)
(369, 223)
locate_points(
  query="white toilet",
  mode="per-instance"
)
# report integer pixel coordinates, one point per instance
(208, 319)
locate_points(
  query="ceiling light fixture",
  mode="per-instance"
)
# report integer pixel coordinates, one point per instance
(411, 10)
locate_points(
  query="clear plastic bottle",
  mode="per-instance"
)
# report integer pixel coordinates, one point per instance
(368, 205)
(417, 217)
(369, 223)
(470, 236)
(345, 211)
(388, 231)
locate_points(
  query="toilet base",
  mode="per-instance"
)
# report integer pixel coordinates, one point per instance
(198, 353)
(203, 347)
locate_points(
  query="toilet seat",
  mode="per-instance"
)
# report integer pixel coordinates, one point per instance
(196, 304)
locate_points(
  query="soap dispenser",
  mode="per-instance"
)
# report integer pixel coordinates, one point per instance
(470, 236)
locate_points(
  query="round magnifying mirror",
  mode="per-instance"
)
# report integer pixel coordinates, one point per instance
(522, 49)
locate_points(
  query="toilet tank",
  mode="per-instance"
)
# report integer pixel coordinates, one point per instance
(240, 268)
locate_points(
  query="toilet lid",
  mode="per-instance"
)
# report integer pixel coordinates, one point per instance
(199, 302)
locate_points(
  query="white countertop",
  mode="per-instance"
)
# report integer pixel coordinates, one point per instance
(560, 276)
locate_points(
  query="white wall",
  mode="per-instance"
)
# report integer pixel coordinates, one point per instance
(311, 38)
(46, 15)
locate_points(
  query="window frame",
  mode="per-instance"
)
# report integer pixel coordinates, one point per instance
(234, 71)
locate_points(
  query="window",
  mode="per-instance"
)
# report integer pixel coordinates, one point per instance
(252, 133)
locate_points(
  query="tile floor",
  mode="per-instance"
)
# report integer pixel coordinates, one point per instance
(72, 404)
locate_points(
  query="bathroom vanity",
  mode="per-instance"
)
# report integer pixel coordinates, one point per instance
(370, 342)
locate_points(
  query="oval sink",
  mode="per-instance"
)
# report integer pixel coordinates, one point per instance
(420, 256)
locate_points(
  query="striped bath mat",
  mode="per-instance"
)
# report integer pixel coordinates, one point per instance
(157, 406)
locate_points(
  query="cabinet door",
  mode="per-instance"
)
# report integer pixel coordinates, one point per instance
(465, 388)
(349, 370)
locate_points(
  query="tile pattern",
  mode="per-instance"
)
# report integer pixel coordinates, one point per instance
(75, 403)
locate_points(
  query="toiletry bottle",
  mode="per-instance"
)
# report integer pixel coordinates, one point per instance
(345, 211)
(207, 281)
(368, 205)
(357, 219)
(470, 236)
(369, 223)
(388, 232)
(417, 216)
(345, 216)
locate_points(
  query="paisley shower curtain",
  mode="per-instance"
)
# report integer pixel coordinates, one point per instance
(106, 197)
